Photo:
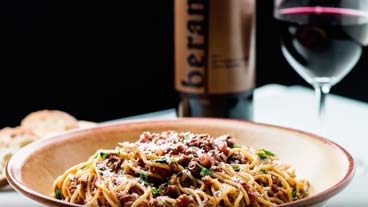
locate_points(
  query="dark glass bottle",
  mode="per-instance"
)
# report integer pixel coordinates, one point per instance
(214, 58)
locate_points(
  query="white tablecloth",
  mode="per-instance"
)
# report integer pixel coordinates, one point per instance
(346, 122)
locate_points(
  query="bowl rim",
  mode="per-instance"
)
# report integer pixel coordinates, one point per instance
(320, 197)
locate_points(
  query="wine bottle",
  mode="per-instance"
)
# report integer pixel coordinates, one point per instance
(214, 58)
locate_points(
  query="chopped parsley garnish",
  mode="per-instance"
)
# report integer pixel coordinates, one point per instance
(155, 191)
(262, 155)
(144, 176)
(205, 171)
(164, 186)
(293, 194)
(103, 154)
(161, 160)
(57, 194)
(236, 146)
(81, 168)
(264, 171)
(236, 168)
(268, 153)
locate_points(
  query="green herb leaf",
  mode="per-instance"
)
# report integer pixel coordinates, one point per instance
(164, 186)
(155, 191)
(144, 176)
(236, 168)
(236, 146)
(262, 155)
(161, 160)
(174, 161)
(205, 171)
(293, 194)
(57, 194)
(264, 171)
(268, 153)
(103, 154)
(167, 184)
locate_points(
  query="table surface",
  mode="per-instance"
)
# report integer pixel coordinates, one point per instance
(344, 123)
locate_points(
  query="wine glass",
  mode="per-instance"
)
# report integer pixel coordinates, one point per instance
(322, 40)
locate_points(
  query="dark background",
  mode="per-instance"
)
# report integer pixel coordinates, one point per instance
(105, 60)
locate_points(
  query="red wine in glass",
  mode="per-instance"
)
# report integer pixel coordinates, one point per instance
(323, 40)
(322, 43)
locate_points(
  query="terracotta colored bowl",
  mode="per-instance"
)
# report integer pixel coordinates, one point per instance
(327, 166)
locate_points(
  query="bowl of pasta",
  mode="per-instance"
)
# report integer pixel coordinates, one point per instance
(182, 162)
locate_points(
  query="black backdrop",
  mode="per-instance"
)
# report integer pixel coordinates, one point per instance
(104, 60)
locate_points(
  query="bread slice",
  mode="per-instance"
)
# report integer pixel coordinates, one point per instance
(36, 125)
(49, 122)
(11, 140)
(86, 124)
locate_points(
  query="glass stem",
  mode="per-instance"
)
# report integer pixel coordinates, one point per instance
(322, 90)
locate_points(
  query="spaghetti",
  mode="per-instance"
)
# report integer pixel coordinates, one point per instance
(180, 169)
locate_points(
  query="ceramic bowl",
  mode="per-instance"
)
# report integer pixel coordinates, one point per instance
(327, 166)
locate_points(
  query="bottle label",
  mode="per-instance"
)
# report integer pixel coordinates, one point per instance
(214, 51)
